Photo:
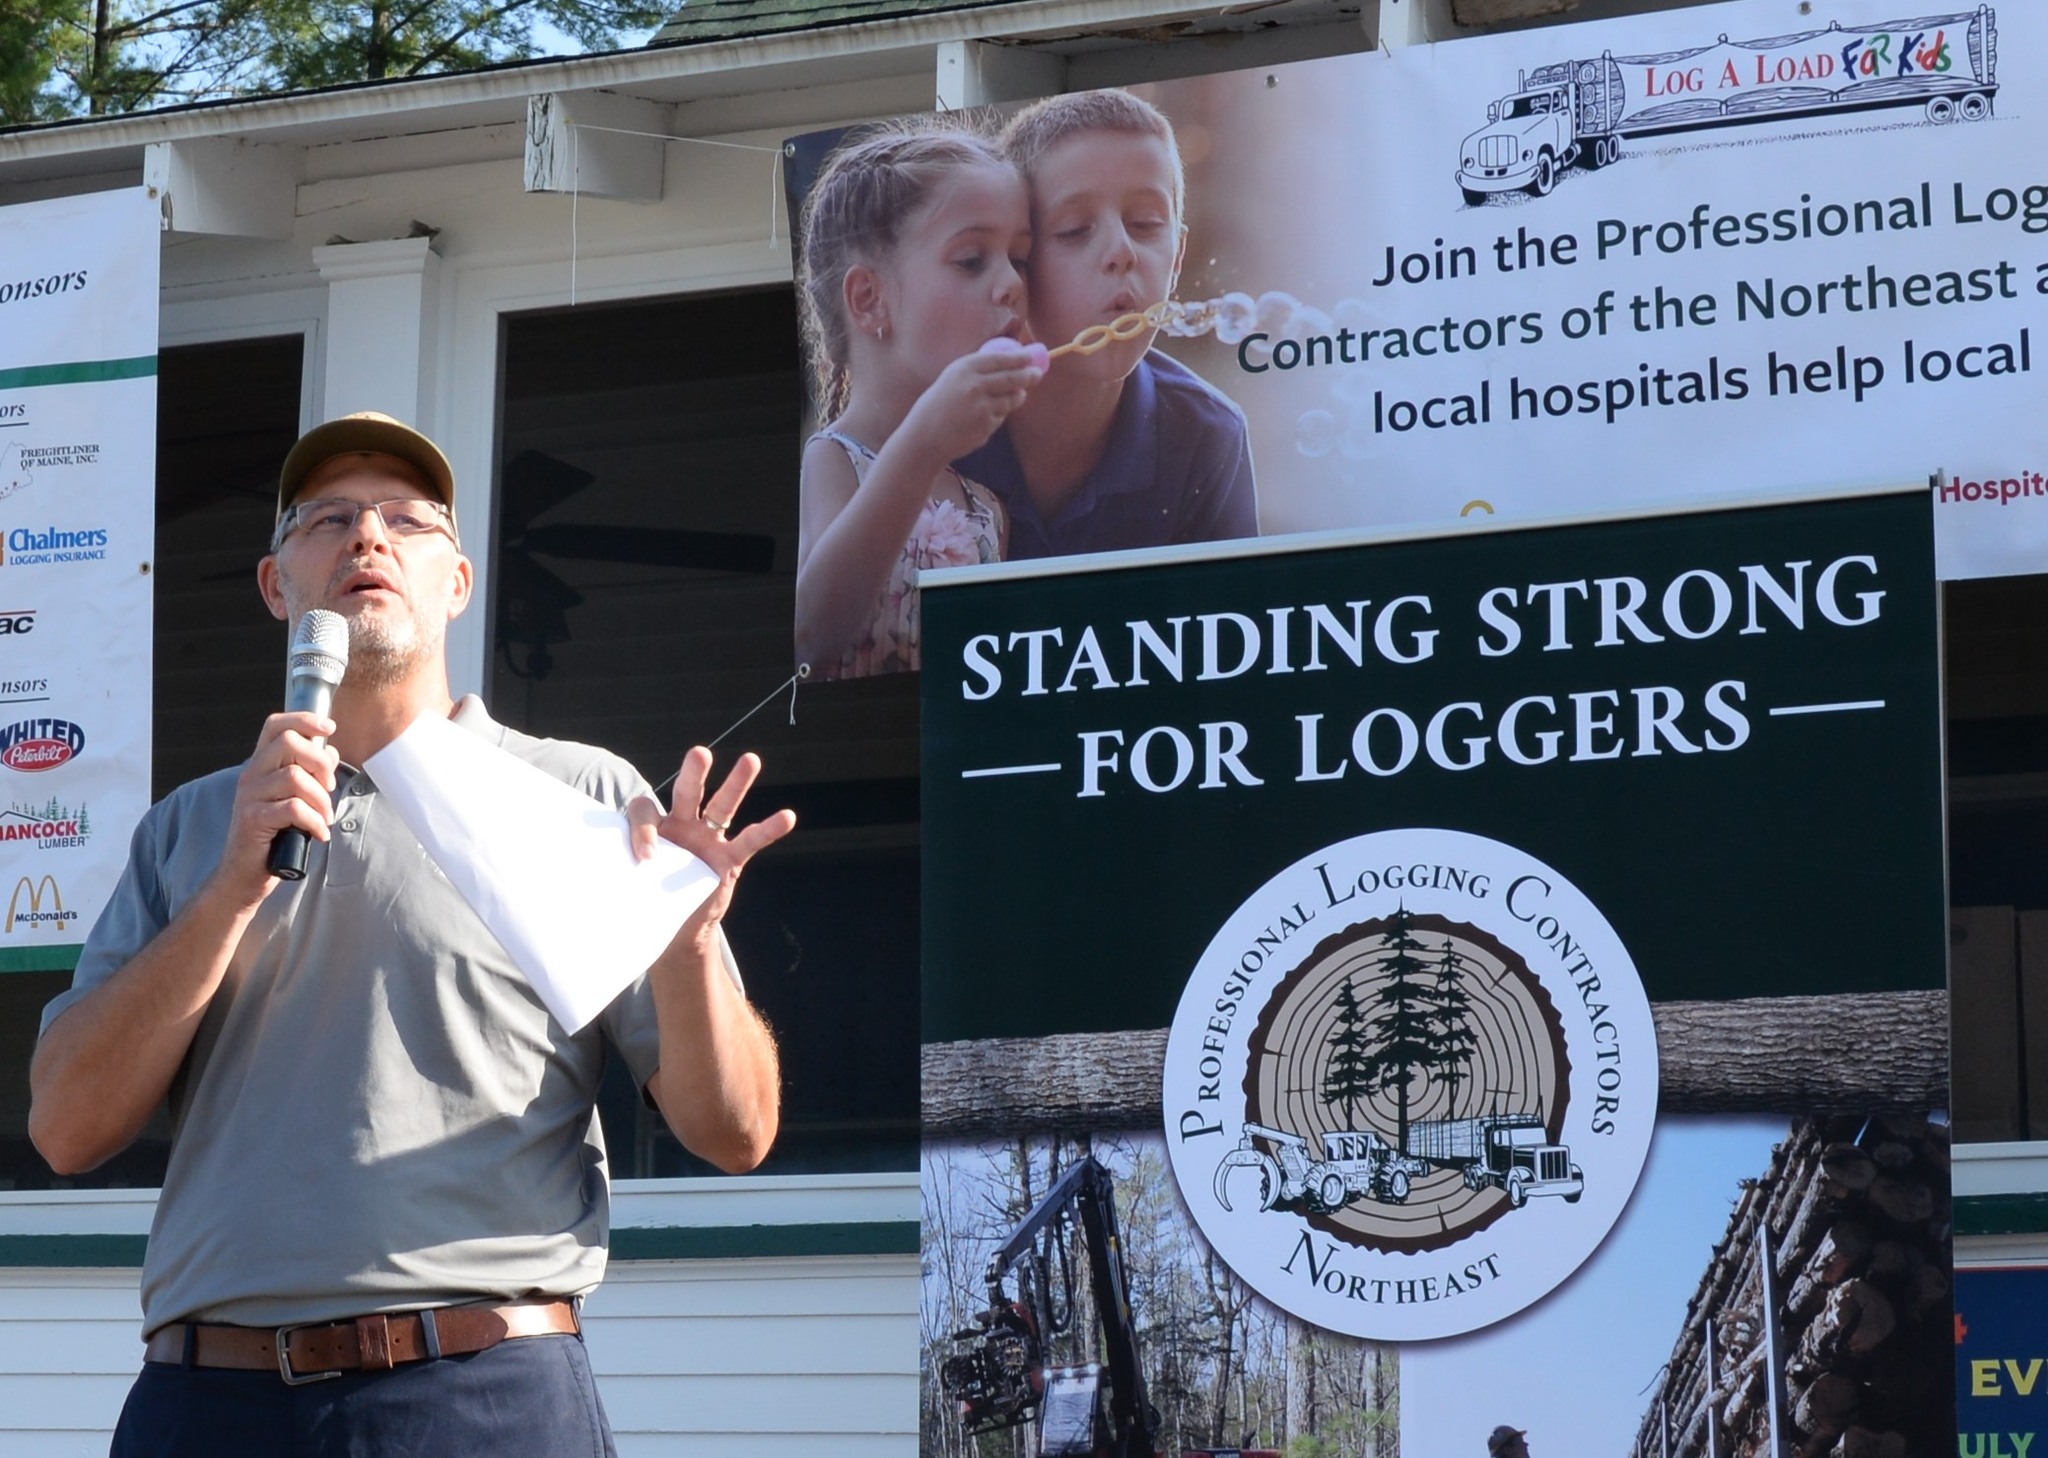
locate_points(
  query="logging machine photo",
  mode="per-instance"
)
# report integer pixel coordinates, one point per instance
(1000, 1372)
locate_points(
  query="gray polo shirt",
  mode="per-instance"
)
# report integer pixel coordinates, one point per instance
(377, 1113)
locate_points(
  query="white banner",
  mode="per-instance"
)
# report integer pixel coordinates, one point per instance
(1754, 247)
(78, 345)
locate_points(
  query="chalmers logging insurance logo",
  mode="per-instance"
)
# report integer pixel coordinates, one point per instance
(29, 547)
(1411, 1084)
(35, 745)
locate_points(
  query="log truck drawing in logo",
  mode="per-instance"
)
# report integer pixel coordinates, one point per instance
(1576, 113)
(1511, 1152)
(1400, 1027)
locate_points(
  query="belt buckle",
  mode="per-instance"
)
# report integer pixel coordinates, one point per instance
(284, 1358)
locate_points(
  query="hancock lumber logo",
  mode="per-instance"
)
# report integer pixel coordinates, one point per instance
(50, 826)
(1411, 1084)
(38, 902)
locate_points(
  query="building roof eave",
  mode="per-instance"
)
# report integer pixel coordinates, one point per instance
(851, 51)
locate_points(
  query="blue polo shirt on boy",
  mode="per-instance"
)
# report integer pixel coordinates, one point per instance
(1177, 468)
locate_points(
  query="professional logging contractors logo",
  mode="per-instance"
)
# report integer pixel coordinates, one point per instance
(37, 904)
(34, 745)
(1411, 1084)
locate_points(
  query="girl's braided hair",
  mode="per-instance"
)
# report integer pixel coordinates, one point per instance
(869, 186)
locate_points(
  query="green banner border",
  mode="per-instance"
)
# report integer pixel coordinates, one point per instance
(83, 372)
(61, 958)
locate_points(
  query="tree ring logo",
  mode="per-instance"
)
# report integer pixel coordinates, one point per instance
(1411, 1084)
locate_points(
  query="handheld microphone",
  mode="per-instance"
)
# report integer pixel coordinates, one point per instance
(319, 657)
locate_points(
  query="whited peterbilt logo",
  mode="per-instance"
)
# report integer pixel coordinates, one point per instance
(1411, 1084)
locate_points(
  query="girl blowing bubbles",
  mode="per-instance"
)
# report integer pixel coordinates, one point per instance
(914, 246)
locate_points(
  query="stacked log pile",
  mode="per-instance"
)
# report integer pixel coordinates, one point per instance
(1822, 1326)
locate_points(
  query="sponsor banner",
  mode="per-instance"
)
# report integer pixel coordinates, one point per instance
(1372, 858)
(2001, 1361)
(1607, 266)
(78, 308)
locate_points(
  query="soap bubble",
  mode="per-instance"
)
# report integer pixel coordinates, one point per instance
(1235, 316)
(1308, 321)
(1358, 435)
(1352, 386)
(1352, 314)
(1275, 310)
(1315, 434)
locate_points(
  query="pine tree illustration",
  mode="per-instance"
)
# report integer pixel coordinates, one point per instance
(1401, 1030)
(1346, 1081)
(1452, 1041)
(84, 824)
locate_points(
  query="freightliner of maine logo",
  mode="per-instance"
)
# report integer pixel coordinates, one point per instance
(1411, 1084)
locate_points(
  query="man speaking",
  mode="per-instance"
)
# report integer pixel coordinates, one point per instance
(386, 1184)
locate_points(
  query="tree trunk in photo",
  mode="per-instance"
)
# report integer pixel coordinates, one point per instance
(1301, 1380)
(1882, 1050)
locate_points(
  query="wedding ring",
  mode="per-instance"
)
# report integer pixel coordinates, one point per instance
(721, 826)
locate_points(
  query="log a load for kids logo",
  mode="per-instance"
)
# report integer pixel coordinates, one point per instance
(1411, 1084)
(1579, 112)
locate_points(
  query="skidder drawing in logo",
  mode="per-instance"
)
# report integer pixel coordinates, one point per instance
(1411, 1084)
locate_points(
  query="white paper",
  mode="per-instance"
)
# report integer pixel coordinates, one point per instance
(533, 857)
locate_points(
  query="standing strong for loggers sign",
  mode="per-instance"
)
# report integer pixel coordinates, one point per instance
(1401, 839)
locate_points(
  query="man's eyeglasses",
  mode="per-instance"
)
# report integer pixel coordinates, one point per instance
(327, 520)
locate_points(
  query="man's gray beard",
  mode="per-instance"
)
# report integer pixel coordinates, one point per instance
(378, 658)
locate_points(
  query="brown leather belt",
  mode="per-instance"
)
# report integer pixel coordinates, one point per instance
(362, 1344)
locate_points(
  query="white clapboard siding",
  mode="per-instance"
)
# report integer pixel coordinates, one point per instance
(767, 1357)
(797, 1352)
(70, 1343)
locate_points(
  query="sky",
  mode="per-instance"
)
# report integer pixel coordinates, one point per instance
(1576, 1370)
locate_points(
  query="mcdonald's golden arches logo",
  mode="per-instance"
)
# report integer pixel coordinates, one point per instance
(25, 905)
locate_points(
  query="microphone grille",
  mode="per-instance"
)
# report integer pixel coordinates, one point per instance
(320, 647)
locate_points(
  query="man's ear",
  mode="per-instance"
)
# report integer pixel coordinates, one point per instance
(461, 587)
(267, 583)
(866, 309)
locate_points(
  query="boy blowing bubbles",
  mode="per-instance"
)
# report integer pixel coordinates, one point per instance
(1126, 447)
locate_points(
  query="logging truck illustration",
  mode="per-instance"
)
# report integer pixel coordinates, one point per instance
(1402, 1024)
(1578, 112)
(1509, 1152)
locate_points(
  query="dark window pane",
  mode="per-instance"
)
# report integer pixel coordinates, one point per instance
(643, 578)
(1996, 667)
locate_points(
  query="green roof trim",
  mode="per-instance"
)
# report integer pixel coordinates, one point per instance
(630, 1243)
(56, 1251)
(716, 20)
(739, 1242)
(2002, 1214)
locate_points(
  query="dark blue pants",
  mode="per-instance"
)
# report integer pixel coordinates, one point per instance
(529, 1396)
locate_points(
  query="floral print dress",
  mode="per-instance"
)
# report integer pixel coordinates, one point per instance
(946, 534)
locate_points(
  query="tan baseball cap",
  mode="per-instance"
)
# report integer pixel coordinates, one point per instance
(366, 430)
